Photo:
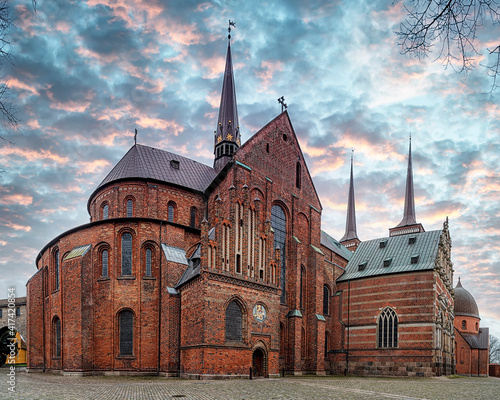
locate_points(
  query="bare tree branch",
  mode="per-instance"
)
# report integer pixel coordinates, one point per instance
(7, 109)
(452, 24)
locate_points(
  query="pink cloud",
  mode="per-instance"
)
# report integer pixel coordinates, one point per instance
(16, 198)
(215, 66)
(31, 155)
(267, 72)
(17, 227)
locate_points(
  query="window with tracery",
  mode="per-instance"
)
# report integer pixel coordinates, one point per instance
(387, 329)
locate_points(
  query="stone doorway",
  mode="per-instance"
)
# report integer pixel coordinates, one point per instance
(259, 363)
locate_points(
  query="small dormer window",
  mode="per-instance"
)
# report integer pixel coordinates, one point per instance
(174, 164)
(383, 243)
(414, 258)
(387, 262)
(362, 266)
(412, 239)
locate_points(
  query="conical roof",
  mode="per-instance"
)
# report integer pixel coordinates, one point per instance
(144, 162)
(409, 217)
(350, 226)
(464, 302)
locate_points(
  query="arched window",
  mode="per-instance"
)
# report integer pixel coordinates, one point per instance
(302, 285)
(303, 350)
(130, 208)
(387, 329)
(464, 324)
(105, 211)
(298, 175)
(18, 311)
(326, 300)
(278, 223)
(192, 222)
(477, 326)
(148, 262)
(234, 322)
(126, 254)
(126, 321)
(171, 212)
(57, 337)
(104, 263)
(462, 355)
(56, 269)
(327, 342)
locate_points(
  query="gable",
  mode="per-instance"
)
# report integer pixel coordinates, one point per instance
(275, 152)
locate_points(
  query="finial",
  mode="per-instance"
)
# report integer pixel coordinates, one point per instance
(231, 23)
(281, 100)
(352, 154)
(135, 136)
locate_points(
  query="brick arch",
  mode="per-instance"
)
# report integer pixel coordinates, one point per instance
(153, 247)
(98, 250)
(260, 346)
(256, 192)
(244, 313)
(302, 230)
(101, 210)
(135, 331)
(125, 205)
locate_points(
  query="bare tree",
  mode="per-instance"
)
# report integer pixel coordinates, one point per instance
(494, 350)
(7, 110)
(452, 25)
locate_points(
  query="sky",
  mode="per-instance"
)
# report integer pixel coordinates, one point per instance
(87, 73)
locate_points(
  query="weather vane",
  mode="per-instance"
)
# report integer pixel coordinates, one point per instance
(135, 136)
(281, 100)
(231, 23)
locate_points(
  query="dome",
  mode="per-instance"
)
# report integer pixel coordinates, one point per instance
(464, 302)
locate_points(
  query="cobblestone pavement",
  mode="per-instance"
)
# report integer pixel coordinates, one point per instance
(49, 386)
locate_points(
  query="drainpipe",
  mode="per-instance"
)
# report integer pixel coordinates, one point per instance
(348, 322)
(159, 305)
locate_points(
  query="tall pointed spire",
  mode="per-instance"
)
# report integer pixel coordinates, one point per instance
(350, 238)
(227, 134)
(409, 222)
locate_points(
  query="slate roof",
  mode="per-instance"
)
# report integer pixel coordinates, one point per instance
(146, 162)
(333, 245)
(193, 269)
(399, 250)
(479, 340)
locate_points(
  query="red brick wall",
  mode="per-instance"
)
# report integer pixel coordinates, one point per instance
(411, 296)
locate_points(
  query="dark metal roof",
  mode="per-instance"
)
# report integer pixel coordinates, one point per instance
(479, 340)
(227, 123)
(193, 269)
(145, 162)
(333, 245)
(464, 302)
(350, 226)
(409, 217)
(399, 249)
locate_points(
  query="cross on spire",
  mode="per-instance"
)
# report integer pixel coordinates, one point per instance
(281, 100)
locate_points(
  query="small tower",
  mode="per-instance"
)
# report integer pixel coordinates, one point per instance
(350, 238)
(227, 133)
(409, 222)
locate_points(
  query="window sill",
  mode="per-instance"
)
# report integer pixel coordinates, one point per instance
(103, 278)
(55, 291)
(126, 278)
(126, 357)
(149, 278)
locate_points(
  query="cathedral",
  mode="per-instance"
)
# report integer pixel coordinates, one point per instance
(223, 271)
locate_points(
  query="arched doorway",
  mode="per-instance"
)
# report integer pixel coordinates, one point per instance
(259, 363)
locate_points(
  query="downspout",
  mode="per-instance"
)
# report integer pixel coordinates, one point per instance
(159, 303)
(348, 322)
